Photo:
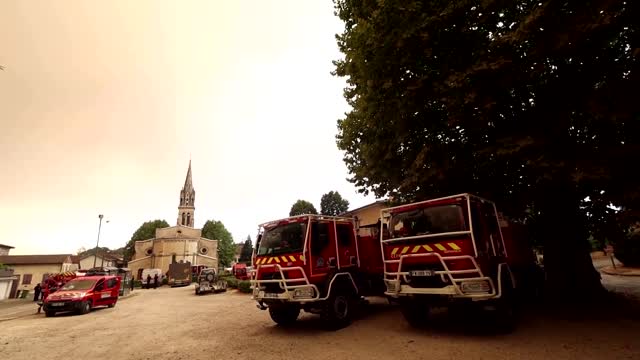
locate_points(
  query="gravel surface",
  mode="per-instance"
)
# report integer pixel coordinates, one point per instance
(175, 324)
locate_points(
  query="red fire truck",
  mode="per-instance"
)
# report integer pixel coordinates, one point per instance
(315, 263)
(452, 250)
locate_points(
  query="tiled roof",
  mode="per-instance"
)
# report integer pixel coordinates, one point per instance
(34, 259)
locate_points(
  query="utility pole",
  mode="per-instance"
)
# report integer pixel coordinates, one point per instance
(97, 242)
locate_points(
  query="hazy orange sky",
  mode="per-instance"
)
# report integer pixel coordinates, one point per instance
(103, 102)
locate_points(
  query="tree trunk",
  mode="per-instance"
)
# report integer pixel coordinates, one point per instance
(570, 274)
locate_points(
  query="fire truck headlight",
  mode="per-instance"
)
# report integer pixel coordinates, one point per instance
(305, 292)
(475, 287)
(77, 295)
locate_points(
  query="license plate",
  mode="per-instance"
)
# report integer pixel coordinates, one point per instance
(57, 304)
(270, 295)
(421, 273)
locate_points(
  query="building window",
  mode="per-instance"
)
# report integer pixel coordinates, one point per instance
(204, 250)
(149, 251)
(26, 280)
(188, 219)
(183, 219)
(173, 258)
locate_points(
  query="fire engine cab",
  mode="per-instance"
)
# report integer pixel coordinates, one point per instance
(319, 264)
(446, 251)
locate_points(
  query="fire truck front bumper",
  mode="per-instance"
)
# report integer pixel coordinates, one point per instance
(298, 293)
(473, 288)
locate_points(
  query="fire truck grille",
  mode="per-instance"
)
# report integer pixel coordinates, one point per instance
(272, 287)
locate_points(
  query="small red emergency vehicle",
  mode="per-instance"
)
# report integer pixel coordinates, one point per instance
(83, 294)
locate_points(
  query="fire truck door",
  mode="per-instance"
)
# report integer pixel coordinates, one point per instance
(323, 248)
(493, 229)
(346, 245)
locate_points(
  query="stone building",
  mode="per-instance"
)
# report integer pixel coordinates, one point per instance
(367, 215)
(176, 243)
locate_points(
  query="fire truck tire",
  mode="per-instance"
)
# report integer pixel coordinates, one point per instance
(415, 312)
(111, 305)
(197, 291)
(49, 313)
(505, 307)
(85, 307)
(337, 310)
(284, 315)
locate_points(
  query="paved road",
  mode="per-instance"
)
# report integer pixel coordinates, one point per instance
(175, 324)
(623, 284)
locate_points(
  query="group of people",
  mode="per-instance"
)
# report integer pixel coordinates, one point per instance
(155, 280)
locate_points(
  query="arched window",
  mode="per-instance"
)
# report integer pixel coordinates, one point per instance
(182, 218)
(188, 219)
(173, 258)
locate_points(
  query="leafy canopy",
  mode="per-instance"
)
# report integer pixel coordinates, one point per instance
(528, 103)
(333, 204)
(215, 230)
(247, 250)
(146, 231)
(301, 207)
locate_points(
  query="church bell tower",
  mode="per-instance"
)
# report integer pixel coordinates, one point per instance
(187, 201)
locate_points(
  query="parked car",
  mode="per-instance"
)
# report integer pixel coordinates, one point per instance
(83, 294)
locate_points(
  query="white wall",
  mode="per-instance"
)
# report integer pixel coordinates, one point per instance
(5, 288)
(87, 263)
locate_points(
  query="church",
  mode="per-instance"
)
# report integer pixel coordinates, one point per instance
(177, 243)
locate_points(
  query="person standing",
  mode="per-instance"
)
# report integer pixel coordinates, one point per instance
(148, 281)
(36, 292)
(155, 281)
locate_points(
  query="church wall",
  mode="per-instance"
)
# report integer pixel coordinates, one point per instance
(172, 232)
(141, 248)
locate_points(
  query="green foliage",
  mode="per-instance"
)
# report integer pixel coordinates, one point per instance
(244, 286)
(144, 232)
(627, 250)
(3, 266)
(523, 102)
(301, 207)
(232, 282)
(247, 250)
(333, 204)
(215, 230)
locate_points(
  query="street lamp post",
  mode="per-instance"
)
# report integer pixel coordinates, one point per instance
(97, 242)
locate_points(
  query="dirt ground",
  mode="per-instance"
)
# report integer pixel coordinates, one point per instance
(175, 324)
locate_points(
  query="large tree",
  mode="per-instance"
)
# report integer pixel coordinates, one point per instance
(529, 103)
(215, 230)
(247, 250)
(301, 207)
(333, 204)
(144, 232)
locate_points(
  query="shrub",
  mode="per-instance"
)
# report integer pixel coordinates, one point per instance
(232, 282)
(244, 286)
(627, 249)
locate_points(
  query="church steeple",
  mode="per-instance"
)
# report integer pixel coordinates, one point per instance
(187, 207)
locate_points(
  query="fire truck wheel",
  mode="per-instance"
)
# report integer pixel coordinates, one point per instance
(85, 307)
(505, 307)
(337, 310)
(49, 313)
(415, 312)
(111, 305)
(284, 314)
(197, 291)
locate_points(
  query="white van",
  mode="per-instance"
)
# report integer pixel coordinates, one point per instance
(152, 273)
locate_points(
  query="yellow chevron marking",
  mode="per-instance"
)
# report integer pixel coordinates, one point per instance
(427, 247)
(276, 259)
(415, 249)
(440, 247)
(284, 258)
(292, 258)
(454, 246)
(270, 259)
(395, 251)
(301, 257)
(404, 251)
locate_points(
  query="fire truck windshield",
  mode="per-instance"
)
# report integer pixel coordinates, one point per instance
(427, 221)
(282, 239)
(78, 285)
